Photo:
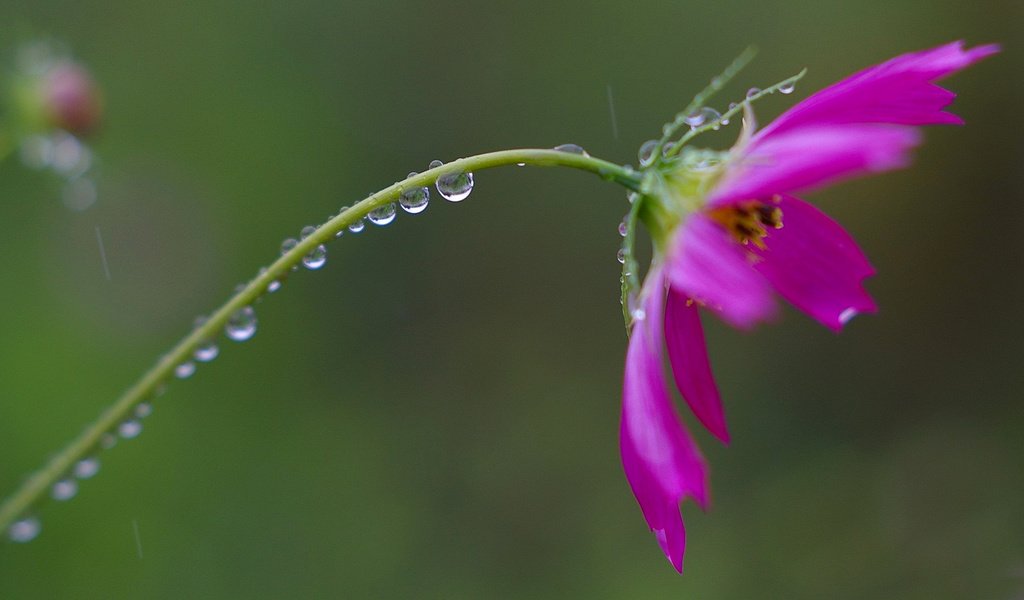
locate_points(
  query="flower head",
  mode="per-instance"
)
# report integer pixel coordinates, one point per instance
(730, 235)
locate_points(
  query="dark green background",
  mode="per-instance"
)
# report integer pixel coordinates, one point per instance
(435, 413)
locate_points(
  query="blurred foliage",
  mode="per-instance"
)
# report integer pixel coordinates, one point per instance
(435, 413)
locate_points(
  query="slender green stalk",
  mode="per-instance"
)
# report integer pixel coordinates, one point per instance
(34, 489)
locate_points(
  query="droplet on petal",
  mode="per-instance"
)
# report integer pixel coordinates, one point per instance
(847, 315)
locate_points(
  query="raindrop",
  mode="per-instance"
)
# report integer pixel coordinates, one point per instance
(24, 530)
(571, 149)
(242, 325)
(129, 429)
(414, 201)
(108, 441)
(753, 92)
(847, 315)
(275, 285)
(87, 467)
(185, 370)
(342, 230)
(621, 256)
(703, 116)
(143, 410)
(455, 187)
(357, 226)
(695, 119)
(435, 164)
(787, 88)
(623, 229)
(383, 215)
(207, 350)
(307, 231)
(316, 258)
(65, 489)
(646, 152)
(287, 245)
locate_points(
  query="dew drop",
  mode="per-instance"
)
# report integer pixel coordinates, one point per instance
(646, 152)
(695, 119)
(307, 231)
(242, 325)
(455, 187)
(185, 370)
(520, 164)
(571, 149)
(623, 229)
(87, 467)
(275, 285)
(435, 164)
(24, 530)
(316, 258)
(108, 441)
(753, 92)
(787, 88)
(847, 315)
(287, 245)
(631, 197)
(414, 201)
(357, 226)
(383, 215)
(65, 489)
(638, 314)
(667, 148)
(621, 256)
(732, 105)
(143, 410)
(129, 429)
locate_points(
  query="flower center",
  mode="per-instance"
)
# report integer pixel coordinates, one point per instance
(748, 221)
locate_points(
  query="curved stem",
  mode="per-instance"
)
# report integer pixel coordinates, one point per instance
(35, 487)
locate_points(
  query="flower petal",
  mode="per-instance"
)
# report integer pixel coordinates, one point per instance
(813, 156)
(898, 91)
(688, 354)
(709, 266)
(662, 463)
(816, 265)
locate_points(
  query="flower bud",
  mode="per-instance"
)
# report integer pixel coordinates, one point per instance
(71, 99)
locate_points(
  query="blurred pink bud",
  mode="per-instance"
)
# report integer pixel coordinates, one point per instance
(72, 98)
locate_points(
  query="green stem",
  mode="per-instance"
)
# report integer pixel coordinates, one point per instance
(34, 489)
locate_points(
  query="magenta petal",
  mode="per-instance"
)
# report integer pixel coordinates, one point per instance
(661, 461)
(706, 264)
(816, 265)
(688, 354)
(813, 156)
(898, 91)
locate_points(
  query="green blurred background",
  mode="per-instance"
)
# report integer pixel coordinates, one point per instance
(435, 413)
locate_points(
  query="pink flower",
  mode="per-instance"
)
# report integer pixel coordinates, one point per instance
(730, 236)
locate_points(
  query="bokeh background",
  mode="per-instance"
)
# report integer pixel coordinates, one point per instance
(435, 413)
